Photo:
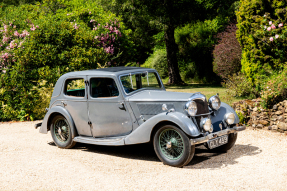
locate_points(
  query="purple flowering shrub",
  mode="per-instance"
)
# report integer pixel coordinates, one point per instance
(227, 53)
(110, 35)
(11, 40)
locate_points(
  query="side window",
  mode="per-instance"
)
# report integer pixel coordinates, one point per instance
(75, 87)
(103, 87)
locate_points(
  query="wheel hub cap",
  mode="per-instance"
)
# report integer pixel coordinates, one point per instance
(171, 144)
(64, 128)
(61, 130)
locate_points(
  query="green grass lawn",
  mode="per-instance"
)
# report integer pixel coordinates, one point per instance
(206, 89)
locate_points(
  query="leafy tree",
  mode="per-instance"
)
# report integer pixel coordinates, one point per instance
(149, 17)
(152, 16)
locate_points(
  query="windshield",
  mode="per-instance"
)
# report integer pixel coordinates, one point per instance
(132, 82)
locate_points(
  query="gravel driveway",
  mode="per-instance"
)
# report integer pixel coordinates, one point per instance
(31, 161)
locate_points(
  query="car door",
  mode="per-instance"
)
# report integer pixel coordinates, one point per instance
(75, 101)
(107, 110)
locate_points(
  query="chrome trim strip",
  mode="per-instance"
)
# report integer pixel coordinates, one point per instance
(203, 114)
(217, 134)
(159, 100)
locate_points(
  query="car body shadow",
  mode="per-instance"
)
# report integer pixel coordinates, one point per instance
(138, 152)
(203, 157)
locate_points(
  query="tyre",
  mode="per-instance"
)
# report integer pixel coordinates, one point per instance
(172, 146)
(61, 132)
(231, 142)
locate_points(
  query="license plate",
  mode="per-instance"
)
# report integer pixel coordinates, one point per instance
(217, 141)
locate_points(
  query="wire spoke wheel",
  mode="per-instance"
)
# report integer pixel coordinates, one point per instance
(171, 144)
(62, 130)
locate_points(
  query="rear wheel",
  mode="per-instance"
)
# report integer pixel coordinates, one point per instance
(61, 132)
(172, 146)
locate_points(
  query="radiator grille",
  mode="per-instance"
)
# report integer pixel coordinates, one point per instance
(202, 106)
(152, 109)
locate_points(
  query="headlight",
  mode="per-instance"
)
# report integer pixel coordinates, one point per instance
(191, 108)
(206, 124)
(229, 118)
(214, 102)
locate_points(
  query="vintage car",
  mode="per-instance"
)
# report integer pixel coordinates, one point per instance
(129, 105)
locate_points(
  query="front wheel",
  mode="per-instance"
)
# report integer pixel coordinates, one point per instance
(172, 146)
(61, 132)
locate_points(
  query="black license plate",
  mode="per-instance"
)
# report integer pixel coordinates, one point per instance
(217, 141)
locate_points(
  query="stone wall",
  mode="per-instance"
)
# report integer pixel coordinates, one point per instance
(252, 114)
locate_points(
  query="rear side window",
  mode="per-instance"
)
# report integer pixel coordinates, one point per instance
(103, 88)
(75, 87)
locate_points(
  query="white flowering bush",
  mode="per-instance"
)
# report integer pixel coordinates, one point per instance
(271, 38)
(275, 89)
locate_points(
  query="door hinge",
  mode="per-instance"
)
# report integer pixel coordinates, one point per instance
(89, 123)
(87, 82)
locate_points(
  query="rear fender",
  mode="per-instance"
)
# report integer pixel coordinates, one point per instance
(52, 112)
(143, 133)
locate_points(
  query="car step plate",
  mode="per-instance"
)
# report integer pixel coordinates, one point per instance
(213, 143)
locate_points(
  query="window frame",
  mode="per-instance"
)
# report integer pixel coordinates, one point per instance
(90, 88)
(65, 88)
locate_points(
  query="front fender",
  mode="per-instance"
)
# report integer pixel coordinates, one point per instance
(143, 132)
(57, 110)
(219, 116)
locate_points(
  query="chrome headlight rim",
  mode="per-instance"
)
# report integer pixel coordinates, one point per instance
(212, 101)
(229, 118)
(191, 108)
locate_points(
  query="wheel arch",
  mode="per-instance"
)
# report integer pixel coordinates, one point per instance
(57, 110)
(144, 132)
(160, 124)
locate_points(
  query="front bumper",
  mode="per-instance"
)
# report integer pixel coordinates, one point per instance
(217, 134)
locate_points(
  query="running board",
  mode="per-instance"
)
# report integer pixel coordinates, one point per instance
(113, 141)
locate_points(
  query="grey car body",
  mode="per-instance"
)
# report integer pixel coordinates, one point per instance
(131, 118)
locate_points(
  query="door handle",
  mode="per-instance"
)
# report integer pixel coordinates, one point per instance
(122, 107)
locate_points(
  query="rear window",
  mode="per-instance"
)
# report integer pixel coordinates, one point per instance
(75, 87)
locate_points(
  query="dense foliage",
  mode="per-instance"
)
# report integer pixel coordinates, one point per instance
(275, 89)
(41, 42)
(262, 36)
(195, 43)
(183, 40)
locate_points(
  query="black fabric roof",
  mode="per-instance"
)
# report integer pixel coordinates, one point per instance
(118, 69)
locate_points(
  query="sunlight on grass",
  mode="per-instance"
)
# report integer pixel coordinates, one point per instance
(206, 89)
